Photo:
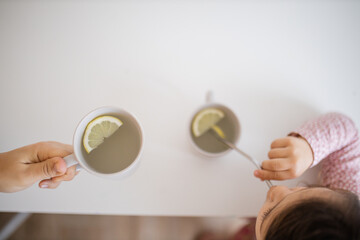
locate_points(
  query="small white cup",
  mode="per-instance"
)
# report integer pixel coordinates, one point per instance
(78, 158)
(230, 114)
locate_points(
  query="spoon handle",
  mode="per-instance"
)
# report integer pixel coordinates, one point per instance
(232, 146)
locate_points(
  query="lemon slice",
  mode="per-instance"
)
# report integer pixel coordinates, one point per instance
(99, 129)
(205, 120)
(218, 130)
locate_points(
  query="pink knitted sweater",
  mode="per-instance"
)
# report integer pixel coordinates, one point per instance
(334, 140)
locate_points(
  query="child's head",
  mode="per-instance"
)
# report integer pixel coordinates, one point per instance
(308, 213)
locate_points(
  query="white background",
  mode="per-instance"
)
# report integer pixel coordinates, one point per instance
(275, 63)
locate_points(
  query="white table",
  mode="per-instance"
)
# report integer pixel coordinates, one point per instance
(275, 64)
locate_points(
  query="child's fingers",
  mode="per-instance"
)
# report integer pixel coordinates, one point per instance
(278, 153)
(280, 143)
(273, 175)
(276, 164)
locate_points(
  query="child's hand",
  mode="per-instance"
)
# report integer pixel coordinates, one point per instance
(22, 167)
(288, 158)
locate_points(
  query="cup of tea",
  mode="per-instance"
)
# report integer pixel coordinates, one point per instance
(119, 154)
(206, 143)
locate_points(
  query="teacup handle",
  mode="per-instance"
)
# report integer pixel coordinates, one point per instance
(70, 160)
(209, 97)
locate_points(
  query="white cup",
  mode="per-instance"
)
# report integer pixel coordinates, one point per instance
(78, 158)
(229, 114)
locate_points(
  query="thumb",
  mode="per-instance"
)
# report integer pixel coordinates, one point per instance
(49, 168)
(272, 175)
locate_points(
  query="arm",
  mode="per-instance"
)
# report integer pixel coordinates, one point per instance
(332, 137)
(22, 167)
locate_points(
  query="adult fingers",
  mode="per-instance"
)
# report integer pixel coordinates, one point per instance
(67, 147)
(69, 175)
(277, 164)
(52, 167)
(274, 175)
(56, 181)
(46, 150)
(49, 183)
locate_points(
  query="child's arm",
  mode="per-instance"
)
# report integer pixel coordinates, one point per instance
(332, 137)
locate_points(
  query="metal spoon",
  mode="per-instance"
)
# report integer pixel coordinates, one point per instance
(232, 146)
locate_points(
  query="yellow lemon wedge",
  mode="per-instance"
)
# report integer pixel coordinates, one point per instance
(218, 130)
(98, 129)
(206, 119)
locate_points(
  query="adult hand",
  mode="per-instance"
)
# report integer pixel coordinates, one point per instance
(289, 158)
(22, 167)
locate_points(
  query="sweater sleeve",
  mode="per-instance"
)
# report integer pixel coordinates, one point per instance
(334, 140)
